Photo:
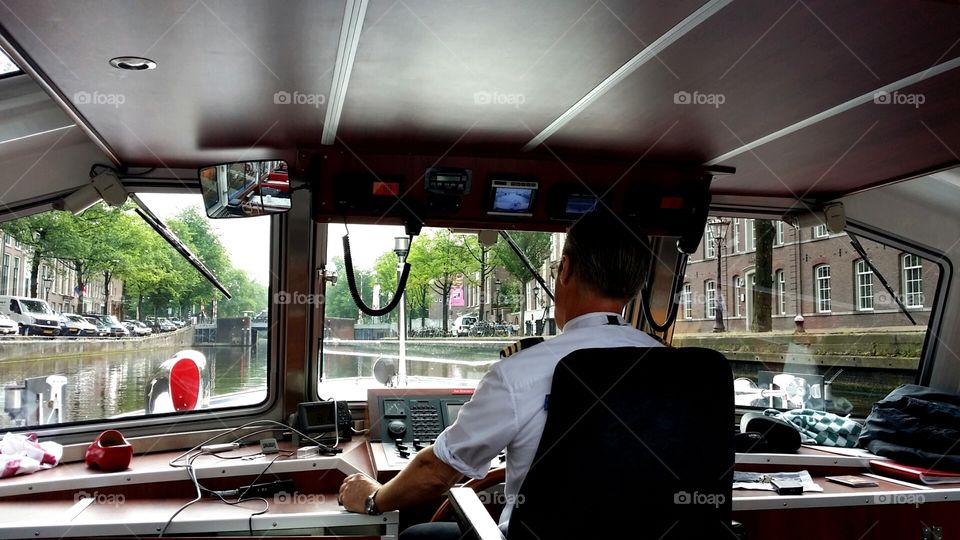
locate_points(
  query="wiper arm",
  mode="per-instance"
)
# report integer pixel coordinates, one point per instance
(526, 262)
(863, 253)
(175, 242)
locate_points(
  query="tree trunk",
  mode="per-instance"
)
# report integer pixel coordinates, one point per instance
(446, 308)
(35, 272)
(523, 308)
(764, 232)
(106, 293)
(78, 267)
(140, 307)
(483, 280)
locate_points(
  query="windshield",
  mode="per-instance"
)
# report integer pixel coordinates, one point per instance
(34, 306)
(453, 279)
(106, 265)
(817, 330)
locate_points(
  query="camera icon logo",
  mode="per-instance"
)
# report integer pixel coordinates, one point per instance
(681, 497)
(281, 98)
(82, 98)
(682, 98)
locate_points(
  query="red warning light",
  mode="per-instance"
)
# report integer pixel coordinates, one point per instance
(671, 203)
(386, 188)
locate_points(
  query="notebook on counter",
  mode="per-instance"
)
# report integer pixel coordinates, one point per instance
(914, 474)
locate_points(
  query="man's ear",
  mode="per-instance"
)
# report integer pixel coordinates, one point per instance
(565, 271)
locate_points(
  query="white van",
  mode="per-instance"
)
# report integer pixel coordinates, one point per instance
(32, 315)
(462, 324)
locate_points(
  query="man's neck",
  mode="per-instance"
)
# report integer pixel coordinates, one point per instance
(594, 306)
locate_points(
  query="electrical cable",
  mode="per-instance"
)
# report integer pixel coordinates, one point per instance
(352, 283)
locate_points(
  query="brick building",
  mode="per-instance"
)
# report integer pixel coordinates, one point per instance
(815, 274)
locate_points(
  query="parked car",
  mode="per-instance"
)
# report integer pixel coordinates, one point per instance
(462, 324)
(116, 328)
(33, 316)
(161, 324)
(178, 323)
(84, 327)
(137, 328)
(7, 325)
(102, 329)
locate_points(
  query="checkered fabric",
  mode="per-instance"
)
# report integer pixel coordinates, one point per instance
(819, 427)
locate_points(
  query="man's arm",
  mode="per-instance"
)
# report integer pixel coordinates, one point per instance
(424, 479)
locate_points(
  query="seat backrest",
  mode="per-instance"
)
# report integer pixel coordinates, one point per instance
(638, 441)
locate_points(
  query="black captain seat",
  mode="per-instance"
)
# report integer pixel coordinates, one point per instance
(638, 441)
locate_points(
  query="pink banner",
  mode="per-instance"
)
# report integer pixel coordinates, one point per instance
(456, 296)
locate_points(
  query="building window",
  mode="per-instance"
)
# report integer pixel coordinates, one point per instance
(736, 235)
(8, 240)
(737, 291)
(822, 274)
(686, 300)
(710, 288)
(5, 273)
(709, 246)
(820, 231)
(15, 287)
(864, 290)
(912, 280)
(778, 239)
(781, 292)
(750, 242)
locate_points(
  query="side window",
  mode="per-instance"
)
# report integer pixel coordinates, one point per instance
(14, 306)
(829, 319)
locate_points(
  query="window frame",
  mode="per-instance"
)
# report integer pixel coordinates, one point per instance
(819, 231)
(905, 280)
(750, 235)
(709, 245)
(781, 280)
(779, 238)
(686, 301)
(710, 299)
(738, 284)
(818, 281)
(860, 270)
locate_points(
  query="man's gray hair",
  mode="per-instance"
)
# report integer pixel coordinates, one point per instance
(608, 255)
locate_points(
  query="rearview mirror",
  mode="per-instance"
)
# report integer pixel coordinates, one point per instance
(245, 189)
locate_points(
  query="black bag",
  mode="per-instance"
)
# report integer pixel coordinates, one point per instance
(917, 426)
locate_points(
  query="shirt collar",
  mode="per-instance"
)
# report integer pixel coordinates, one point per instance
(587, 320)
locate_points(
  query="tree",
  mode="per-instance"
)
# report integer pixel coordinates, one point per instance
(338, 302)
(764, 232)
(486, 262)
(535, 246)
(443, 260)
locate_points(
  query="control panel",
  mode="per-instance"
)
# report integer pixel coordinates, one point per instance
(417, 418)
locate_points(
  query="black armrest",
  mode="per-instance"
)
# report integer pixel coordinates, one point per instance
(475, 522)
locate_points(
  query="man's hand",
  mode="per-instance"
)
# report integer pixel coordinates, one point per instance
(355, 490)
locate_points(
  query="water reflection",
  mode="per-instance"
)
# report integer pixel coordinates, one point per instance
(112, 384)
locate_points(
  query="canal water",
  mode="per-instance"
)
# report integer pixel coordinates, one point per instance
(101, 386)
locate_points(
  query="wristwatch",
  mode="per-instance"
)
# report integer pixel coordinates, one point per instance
(371, 505)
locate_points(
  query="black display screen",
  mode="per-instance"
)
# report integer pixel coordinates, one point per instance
(319, 416)
(580, 204)
(514, 200)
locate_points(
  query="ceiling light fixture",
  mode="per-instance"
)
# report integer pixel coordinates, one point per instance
(132, 63)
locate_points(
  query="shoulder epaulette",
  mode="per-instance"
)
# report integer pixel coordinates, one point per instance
(524, 343)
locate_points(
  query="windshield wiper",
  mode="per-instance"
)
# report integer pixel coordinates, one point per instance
(175, 242)
(863, 253)
(526, 262)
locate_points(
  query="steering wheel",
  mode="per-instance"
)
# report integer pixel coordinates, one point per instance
(494, 477)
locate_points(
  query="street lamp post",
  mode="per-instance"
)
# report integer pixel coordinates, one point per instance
(401, 246)
(718, 229)
(496, 301)
(47, 282)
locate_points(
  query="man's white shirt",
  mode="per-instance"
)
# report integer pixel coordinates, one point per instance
(508, 408)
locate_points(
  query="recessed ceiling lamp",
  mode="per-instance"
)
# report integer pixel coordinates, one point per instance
(133, 63)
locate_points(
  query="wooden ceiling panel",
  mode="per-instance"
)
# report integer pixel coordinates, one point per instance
(220, 65)
(861, 148)
(757, 67)
(488, 73)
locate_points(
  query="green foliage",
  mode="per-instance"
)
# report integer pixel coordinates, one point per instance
(337, 299)
(536, 247)
(104, 242)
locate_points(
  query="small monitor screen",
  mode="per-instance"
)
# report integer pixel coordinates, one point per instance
(453, 410)
(319, 416)
(580, 204)
(512, 199)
